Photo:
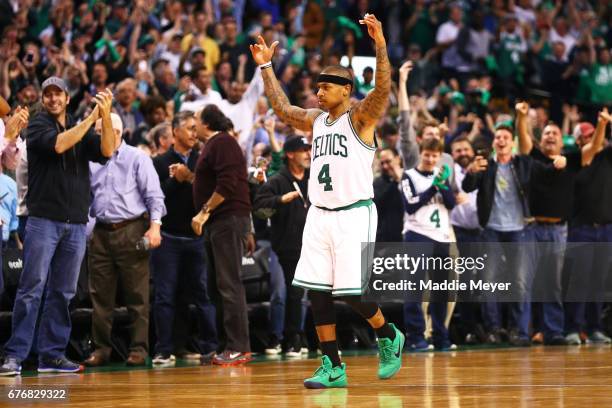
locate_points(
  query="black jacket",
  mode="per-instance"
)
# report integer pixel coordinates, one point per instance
(58, 184)
(485, 183)
(388, 200)
(287, 219)
(179, 196)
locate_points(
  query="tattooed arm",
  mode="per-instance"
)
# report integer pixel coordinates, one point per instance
(291, 115)
(367, 112)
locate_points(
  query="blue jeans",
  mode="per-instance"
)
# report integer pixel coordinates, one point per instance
(587, 268)
(550, 255)
(180, 262)
(519, 266)
(413, 310)
(53, 252)
(278, 292)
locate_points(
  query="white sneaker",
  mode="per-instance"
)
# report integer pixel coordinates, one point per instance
(161, 358)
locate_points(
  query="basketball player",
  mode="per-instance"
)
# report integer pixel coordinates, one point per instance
(340, 189)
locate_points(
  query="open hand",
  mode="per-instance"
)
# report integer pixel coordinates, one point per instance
(262, 54)
(104, 101)
(404, 71)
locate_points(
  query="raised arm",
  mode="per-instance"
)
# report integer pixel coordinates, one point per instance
(368, 111)
(408, 143)
(291, 115)
(525, 142)
(590, 149)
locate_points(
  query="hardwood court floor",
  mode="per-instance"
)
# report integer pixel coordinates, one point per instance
(536, 377)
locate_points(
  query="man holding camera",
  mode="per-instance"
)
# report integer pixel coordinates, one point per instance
(128, 205)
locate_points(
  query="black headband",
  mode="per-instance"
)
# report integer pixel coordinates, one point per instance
(334, 79)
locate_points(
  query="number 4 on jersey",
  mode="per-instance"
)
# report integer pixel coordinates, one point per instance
(324, 178)
(435, 218)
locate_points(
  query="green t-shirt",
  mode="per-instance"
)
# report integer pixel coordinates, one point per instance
(423, 32)
(600, 81)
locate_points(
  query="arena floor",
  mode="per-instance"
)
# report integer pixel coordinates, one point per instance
(537, 377)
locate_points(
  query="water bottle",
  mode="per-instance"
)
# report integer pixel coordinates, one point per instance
(143, 244)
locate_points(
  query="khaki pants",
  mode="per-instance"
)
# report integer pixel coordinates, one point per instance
(114, 259)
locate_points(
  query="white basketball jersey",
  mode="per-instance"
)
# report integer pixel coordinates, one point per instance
(432, 219)
(341, 164)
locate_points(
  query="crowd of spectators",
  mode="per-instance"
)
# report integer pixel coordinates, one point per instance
(472, 64)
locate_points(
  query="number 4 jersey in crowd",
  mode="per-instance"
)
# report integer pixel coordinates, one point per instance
(432, 218)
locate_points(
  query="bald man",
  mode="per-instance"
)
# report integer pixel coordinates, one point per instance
(128, 205)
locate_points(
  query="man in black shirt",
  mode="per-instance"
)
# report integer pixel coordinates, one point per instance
(388, 198)
(284, 199)
(550, 203)
(59, 151)
(179, 261)
(591, 222)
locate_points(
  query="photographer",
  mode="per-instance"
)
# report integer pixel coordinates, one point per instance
(128, 205)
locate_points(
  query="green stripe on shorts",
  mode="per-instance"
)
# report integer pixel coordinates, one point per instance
(312, 285)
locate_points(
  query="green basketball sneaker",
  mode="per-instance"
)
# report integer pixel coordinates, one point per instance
(390, 354)
(327, 376)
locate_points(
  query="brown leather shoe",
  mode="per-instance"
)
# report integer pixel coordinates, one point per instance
(95, 360)
(135, 359)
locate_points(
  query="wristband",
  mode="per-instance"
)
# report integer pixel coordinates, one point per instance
(266, 65)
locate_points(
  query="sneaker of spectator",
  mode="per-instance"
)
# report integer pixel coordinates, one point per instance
(163, 359)
(59, 365)
(230, 358)
(598, 337)
(573, 339)
(420, 346)
(207, 358)
(294, 347)
(493, 338)
(517, 341)
(273, 347)
(11, 367)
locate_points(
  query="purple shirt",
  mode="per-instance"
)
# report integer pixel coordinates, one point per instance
(126, 187)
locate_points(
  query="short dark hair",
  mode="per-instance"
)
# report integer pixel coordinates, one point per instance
(391, 149)
(434, 145)
(508, 128)
(180, 117)
(151, 103)
(459, 139)
(426, 124)
(387, 129)
(158, 131)
(212, 117)
(195, 71)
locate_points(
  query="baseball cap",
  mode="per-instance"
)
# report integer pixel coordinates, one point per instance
(296, 143)
(196, 50)
(54, 81)
(583, 129)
